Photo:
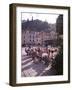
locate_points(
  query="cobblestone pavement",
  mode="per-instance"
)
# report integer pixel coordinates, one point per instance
(29, 68)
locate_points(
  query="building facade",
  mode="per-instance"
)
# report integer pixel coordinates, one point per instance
(37, 38)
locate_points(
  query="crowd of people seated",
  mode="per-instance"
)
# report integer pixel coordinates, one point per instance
(42, 54)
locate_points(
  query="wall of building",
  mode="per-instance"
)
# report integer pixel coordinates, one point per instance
(37, 38)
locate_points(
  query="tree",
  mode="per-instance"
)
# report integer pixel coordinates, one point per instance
(35, 25)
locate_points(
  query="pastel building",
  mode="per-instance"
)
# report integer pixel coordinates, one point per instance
(30, 37)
